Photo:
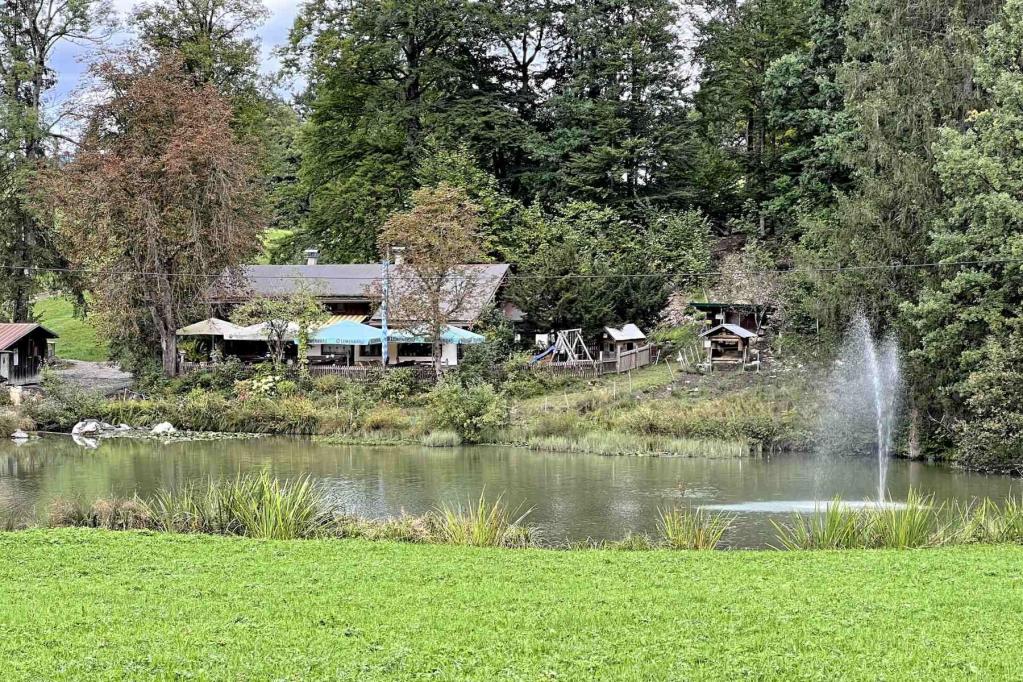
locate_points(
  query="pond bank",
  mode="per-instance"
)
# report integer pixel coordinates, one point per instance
(153, 606)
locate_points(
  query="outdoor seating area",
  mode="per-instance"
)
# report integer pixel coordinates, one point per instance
(340, 346)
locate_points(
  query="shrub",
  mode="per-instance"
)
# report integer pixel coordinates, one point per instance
(219, 377)
(385, 418)
(62, 405)
(482, 524)
(442, 439)
(329, 384)
(398, 385)
(287, 388)
(692, 528)
(11, 421)
(472, 412)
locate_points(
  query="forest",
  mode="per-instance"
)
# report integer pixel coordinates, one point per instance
(623, 156)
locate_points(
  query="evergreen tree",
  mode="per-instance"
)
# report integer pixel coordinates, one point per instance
(970, 316)
(737, 45)
(613, 126)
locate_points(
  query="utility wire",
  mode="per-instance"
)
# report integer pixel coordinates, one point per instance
(513, 276)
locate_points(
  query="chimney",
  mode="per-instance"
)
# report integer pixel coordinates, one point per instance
(398, 254)
(312, 256)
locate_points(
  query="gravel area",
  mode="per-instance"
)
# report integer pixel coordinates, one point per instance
(105, 377)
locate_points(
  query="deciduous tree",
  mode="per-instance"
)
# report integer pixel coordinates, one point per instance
(159, 199)
(440, 235)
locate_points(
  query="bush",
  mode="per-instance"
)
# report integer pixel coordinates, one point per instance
(220, 377)
(471, 412)
(442, 439)
(385, 418)
(11, 421)
(398, 385)
(62, 405)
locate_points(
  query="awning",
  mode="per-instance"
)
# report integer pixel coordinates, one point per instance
(346, 333)
(451, 334)
(258, 332)
(334, 319)
(210, 327)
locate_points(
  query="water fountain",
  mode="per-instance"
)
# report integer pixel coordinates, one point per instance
(862, 398)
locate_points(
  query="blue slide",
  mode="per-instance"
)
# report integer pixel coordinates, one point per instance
(541, 356)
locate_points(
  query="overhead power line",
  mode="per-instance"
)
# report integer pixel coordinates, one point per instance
(639, 275)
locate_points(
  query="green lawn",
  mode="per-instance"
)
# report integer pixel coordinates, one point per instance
(78, 338)
(81, 604)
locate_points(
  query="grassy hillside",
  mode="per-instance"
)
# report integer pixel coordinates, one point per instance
(78, 338)
(85, 604)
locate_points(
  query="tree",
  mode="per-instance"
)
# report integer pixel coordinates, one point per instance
(285, 319)
(30, 30)
(439, 234)
(737, 45)
(750, 278)
(214, 37)
(969, 311)
(159, 199)
(612, 124)
(380, 74)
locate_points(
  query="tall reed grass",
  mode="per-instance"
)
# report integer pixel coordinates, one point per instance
(920, 522)
(830, 527)
(619, 443)
(253, 506)
(482, 524)
(692, 528)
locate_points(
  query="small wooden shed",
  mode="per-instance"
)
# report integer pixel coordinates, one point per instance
(24, 347)
(618, 341)
(728, 346)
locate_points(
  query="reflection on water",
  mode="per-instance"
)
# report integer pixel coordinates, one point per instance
(571, 496)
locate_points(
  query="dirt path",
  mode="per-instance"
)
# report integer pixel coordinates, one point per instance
(103, 377)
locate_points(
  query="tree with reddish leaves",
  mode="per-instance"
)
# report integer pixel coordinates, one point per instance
(158, 201)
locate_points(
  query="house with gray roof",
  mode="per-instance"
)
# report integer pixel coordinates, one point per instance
(352, 292)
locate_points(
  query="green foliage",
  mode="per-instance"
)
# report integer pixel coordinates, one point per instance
(442, 439)
(472, 412)
(692, 528)
(398, 385)
(967, 317)
(62, 405)
(989, 433)
(482, 524)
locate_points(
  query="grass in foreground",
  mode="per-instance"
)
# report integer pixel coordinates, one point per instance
(82, 604)
(78, 338)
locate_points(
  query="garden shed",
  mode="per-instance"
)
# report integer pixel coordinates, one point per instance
(728, 346)
(617, 341)
(24, 347)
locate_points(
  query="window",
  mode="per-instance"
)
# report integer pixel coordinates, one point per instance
(374, 350)
(415, 350)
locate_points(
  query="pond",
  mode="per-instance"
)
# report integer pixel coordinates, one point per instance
(572, 497)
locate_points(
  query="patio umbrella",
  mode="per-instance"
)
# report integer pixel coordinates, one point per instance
(258, 332)
(346, 333)
(456, 335)
(210, 327)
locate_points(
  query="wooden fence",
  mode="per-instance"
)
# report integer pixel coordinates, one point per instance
(352, 372)
(625, 362)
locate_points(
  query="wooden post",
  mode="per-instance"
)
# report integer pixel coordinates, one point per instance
(670, 372)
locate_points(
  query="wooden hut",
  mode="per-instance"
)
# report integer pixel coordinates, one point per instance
(728, 346)
(24, 347)
(618, 341)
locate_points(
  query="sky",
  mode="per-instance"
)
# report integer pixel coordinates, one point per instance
(69, 61)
